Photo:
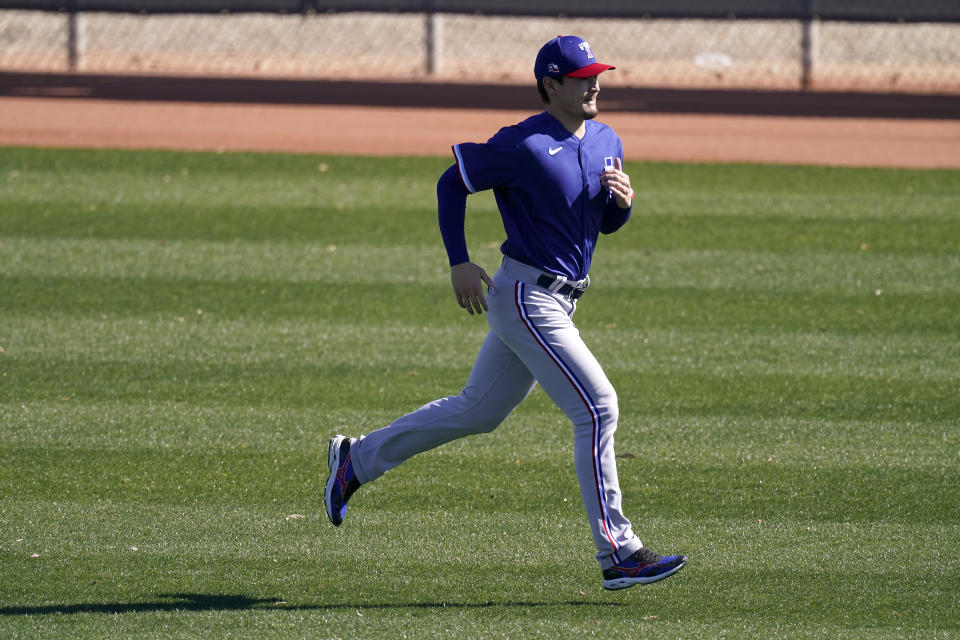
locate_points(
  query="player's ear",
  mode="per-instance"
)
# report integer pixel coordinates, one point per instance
(550, 85)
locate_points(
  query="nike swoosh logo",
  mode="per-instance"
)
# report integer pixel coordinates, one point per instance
(553, 151)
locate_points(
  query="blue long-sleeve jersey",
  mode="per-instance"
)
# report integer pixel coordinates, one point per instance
(546, 182)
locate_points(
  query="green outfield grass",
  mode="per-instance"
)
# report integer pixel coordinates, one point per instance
(180, 334)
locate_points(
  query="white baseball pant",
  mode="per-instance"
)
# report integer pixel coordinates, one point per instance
(532, 339)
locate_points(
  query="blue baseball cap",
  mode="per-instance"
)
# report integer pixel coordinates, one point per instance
(567, 56)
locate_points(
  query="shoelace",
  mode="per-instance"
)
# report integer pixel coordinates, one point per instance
(646, 556)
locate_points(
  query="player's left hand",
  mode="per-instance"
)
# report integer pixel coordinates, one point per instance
(468, 280)
(618, 183)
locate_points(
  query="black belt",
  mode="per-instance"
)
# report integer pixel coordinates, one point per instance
(548, 281)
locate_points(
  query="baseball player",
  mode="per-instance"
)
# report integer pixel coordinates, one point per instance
(559, 182)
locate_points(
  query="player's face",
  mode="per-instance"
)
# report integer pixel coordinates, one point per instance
(578, 96)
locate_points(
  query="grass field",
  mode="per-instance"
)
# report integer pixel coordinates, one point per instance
(181, 333)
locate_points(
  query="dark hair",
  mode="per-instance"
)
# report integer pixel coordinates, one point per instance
(543, 92)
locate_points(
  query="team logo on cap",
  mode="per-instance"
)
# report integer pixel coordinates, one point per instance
(553, 68)
(586, 47)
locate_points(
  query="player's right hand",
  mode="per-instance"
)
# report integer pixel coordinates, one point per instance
(468, 285)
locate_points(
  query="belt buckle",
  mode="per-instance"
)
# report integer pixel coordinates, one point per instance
(580, 289)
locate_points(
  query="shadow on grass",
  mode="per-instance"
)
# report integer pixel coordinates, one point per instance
(208, 602)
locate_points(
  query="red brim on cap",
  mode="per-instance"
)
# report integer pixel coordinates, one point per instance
(590, 70)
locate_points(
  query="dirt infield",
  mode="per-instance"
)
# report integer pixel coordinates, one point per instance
(153, 115)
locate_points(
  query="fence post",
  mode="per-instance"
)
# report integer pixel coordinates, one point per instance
(434, 44)
(808, 45)
(73, 36)
(434, 39)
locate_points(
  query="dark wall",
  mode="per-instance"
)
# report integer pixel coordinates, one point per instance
(860, 10)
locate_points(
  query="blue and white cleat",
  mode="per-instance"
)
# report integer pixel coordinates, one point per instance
(342, 482)
(643, 567)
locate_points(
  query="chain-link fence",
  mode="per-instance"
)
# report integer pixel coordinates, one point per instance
(732, 53)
